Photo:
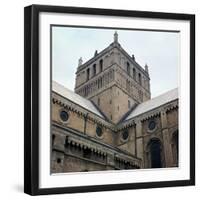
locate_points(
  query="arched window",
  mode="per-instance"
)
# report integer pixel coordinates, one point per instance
(134, 73)
(139, 79)
(101, 65)
(94, 69)
(128, 68)
(154, 153)
(175, 147)
(88, 74)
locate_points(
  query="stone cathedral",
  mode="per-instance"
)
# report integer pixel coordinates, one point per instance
(111, 122)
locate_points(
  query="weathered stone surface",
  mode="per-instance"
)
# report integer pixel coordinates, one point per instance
(115, 84)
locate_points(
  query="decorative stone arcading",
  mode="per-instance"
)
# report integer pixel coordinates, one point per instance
(96, 84)
(85, 145)
(130, 85)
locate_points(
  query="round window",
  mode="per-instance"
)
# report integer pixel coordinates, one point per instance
(99, 131)
(152, 125)
(64, 115)
(125, 135)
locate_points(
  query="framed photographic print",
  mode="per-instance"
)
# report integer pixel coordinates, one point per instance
(109, 99)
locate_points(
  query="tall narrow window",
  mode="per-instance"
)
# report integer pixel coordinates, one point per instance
(88, 74)
(101, 65)
(94, 69)
(128, 68)
(98, 101)
(134, 73)
(139, 78)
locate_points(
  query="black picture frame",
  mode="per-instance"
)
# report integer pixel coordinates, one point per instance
(31, 98)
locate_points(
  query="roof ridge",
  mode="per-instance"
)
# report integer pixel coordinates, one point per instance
(163, 94)
(153, 103)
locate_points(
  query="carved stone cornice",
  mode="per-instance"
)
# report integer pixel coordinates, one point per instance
(77, 140)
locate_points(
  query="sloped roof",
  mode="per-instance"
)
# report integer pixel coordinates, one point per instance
(154, 103)
(77, 99)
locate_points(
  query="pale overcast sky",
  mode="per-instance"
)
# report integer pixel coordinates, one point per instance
(160, 50)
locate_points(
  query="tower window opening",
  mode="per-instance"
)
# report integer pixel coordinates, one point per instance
(88, 74)
(139, 78)
(128, 68)
(94, 69)
(101, 65)
(134, 73)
